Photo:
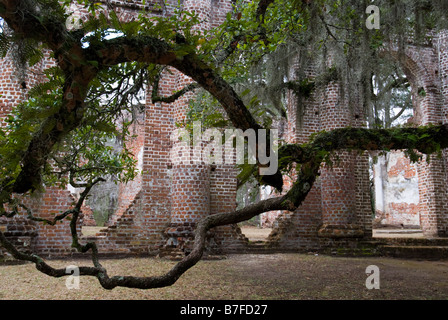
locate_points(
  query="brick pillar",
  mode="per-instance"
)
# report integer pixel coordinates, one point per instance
(223, 187)
(198, 187)
(203, 8)
(190, 203)
(443, 73)
(41, 238)
(190, 184)
(363, 194)
(432, 176)
(11, 91)
(432, 194)
(338, 183)
(157, 171)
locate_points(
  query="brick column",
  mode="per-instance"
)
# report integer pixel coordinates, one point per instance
(198, 188)
(432, 194)
(203, 8)
(11, 91)
(190, 184)
(443, 73)
(338, 183)
(432, 176)
(190, 202)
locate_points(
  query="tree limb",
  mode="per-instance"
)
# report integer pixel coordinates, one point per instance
(170, 99)
(310, 156)
(262, 7)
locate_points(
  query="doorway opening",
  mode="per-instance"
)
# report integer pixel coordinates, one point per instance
(394, 178)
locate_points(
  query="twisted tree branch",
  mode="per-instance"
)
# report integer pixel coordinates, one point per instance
(309, 156)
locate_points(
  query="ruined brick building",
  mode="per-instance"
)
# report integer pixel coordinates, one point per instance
(157, 212)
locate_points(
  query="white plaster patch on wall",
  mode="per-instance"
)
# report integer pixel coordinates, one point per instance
(396, 190)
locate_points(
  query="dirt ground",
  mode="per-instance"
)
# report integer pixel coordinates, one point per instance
(244, 276)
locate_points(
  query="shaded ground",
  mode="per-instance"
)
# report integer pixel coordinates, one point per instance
(250, 276)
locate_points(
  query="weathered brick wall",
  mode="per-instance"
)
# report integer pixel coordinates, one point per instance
(140, 227)
(43, 238)
(343, 192)
(174, 196)
(442, 48)
(158, 211)
(338, 206)
(421, 66)
(128, 191)
(396, 191)
(426, 69)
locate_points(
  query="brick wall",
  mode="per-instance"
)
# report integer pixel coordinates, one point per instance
(128, 191)
(174, 196)
(158, 211)
(163, 197)
(396, 191)
(424, 68)
(338, 206)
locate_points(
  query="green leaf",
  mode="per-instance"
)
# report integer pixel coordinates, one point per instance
(93, 63)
